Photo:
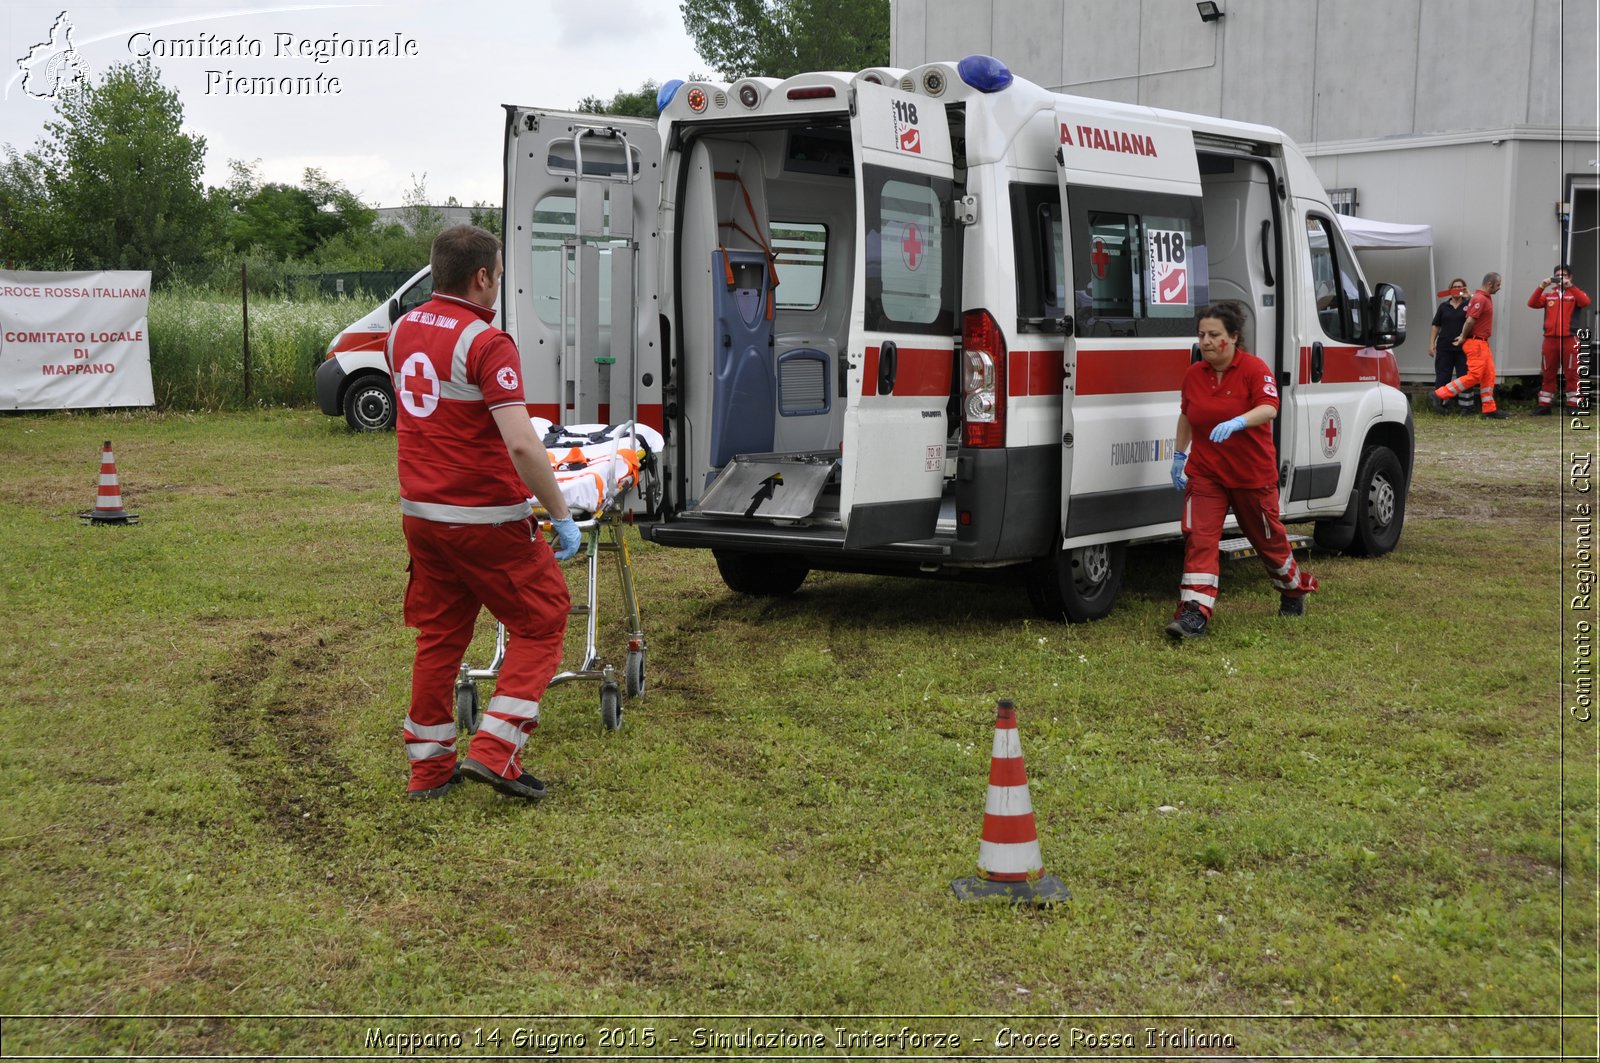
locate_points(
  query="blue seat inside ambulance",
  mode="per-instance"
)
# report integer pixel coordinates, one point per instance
(744, 382)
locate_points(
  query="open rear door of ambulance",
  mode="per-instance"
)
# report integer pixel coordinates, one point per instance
(581, 261)
(903, 318)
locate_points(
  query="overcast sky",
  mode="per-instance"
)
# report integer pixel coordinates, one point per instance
(435, 112)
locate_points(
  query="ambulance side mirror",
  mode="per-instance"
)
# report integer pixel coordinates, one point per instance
(1388, 317)
(394, 310)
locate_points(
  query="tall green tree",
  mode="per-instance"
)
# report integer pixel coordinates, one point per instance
(122, 178)
(287, 221)
(780, 38)
(639, 104)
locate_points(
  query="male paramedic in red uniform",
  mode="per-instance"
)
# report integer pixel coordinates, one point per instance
(1558, 297)
(1224, 459)
(1474, 343)
(468, 459)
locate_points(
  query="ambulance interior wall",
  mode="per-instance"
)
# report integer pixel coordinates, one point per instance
(708, 205)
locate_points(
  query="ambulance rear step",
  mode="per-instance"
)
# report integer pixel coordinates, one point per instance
(780, 487)
(1234, 549)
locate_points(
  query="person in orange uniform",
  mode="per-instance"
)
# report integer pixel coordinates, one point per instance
(1558, 297)
(468, 460)
(1474, 342)
(1225, 459)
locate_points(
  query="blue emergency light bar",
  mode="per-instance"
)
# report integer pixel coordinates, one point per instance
(665, 93)
(984, 73)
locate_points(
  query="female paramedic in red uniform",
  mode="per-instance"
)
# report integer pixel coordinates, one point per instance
(468, 460)
(1228, 402)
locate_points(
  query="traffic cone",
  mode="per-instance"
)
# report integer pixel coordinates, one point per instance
(108, 503)
(1010, 865)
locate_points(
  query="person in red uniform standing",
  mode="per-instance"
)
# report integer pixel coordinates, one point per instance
(1558, 297)
(1227, 406)
(1474, 343)
(468, 460)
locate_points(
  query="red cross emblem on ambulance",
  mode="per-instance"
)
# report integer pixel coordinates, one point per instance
(1330, 432)
(1100, 258)
(419, 385)
(911, 246)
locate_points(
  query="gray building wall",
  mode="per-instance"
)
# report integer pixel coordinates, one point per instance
(1473, 116)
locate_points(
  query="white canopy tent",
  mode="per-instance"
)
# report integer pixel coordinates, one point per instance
(1401, 254)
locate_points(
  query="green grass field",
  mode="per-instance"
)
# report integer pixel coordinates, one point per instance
(1367, 833)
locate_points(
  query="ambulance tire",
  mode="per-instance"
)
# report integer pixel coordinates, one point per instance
(1380, 503)
(369, 405)
(1077, 585)
(761, 575)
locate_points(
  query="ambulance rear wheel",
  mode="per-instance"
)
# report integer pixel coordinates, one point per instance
(369, 405)
(1380, 503)
(761, 575)
(1077, 585)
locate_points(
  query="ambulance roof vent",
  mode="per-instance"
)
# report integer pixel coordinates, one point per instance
(984, 73)
(908, 84)
(720, 99)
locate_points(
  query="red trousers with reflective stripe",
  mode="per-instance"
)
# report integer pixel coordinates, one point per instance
(457, 570)
(1205, 508)
(1480, 375)
(1560, 353)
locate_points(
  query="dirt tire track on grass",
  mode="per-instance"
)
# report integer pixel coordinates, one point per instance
(271, 716)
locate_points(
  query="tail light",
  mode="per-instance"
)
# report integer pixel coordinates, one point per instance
(983, 381)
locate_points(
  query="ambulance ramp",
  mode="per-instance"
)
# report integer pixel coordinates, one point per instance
(769, 486)
(1234, 549)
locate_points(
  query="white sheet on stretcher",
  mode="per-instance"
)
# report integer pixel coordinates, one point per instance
(593, 462)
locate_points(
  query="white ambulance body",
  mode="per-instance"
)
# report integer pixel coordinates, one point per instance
(353, 379)
(937, 320)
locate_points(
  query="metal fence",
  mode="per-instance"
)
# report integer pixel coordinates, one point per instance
(376, 283)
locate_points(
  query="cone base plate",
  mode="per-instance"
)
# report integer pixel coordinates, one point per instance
(1043, 891)
(119, 517)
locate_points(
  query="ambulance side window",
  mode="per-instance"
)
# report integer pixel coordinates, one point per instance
(802, 250)
(1138, 263)
(1338, 292)
(910, 253)
(1037, 235)
(417, 294)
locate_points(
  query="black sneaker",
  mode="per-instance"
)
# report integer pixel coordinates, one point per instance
(524, 786)
(1188, 624)
(438, 791)
(1542, 411)
(1292, 605)
(1498, 415)
(1438, 405)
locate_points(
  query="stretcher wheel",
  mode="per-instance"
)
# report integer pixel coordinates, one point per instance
(467, 707)
(633, 672)
(610, 706)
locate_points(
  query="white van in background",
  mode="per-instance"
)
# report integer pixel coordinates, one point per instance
(353, 380)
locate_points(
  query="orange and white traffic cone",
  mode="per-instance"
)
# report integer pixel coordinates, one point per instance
(108, 503)
(1010, 865)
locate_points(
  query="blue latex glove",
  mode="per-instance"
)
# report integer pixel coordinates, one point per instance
(568, 537)
(1179, 460)
(1226, 429)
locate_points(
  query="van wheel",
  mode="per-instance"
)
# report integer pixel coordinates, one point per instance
(761, 575)
(1077, 585)
(369, 405)
(1380, 504)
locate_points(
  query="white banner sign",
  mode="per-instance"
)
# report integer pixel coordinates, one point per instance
(75, 340)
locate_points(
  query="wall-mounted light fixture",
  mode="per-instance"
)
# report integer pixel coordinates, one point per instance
(1210, 10)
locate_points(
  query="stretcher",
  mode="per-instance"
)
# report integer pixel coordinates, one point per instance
(600, 469)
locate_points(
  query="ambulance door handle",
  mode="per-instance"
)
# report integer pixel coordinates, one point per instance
(888, 357)
(1266, 254)
(1316, 363)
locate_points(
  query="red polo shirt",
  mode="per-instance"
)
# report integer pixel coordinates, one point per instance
(1482, 308)
(1247, 458)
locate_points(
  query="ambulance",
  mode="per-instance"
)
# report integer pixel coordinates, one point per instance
(353, 378)
(934, 321)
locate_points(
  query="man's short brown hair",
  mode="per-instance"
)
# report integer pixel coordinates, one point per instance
(458, 253)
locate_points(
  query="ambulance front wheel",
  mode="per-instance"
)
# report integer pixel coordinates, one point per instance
(1077, 585)
(761, 575)
(369, 405)
(1380, 503)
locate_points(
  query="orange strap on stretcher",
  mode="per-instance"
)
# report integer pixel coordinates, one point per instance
(772, 258)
